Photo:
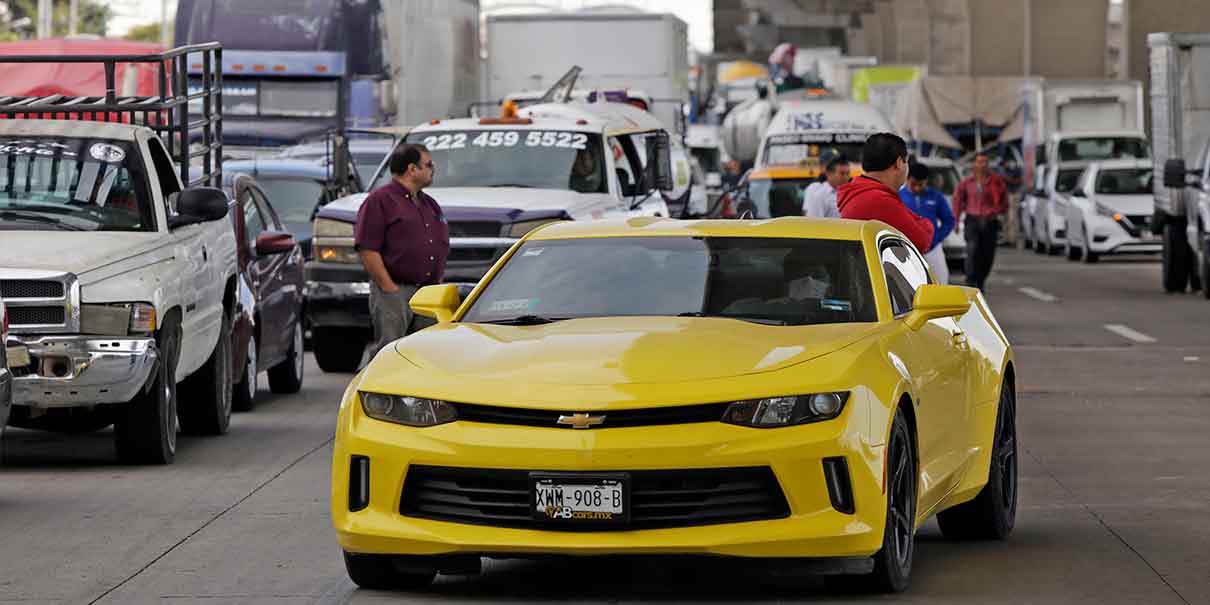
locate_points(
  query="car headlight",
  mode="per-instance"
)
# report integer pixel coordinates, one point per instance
(520, 229)
(142, 318)
(337, 254)
(117, 319)
(1104, 210)
(774, 412)
(326, 227)
(411, 411)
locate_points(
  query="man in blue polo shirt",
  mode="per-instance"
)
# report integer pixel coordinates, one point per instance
(932, 205)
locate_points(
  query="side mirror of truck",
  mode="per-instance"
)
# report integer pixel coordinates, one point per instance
(1174, 174)
(659, 161)
(202, 204)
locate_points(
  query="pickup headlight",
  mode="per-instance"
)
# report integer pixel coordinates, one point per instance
(337, 254)
(326, 227)
(774, 412)
(118, 319)
(520, 229)
(410, 411)
(142, 318)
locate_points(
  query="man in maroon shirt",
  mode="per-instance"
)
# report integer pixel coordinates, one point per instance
(981, 199)
(403, 240)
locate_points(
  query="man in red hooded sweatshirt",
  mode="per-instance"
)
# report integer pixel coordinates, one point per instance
(872, 196)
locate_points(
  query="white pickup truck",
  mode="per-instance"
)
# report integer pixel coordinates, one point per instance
(119, 282)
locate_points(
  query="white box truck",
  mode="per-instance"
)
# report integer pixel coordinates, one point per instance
(1180, 133)
(433, 57)
(641, 52)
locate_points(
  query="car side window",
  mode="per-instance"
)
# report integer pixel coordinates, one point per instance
(905, 273)
(266, 210)
(254, 223)
(169, 184)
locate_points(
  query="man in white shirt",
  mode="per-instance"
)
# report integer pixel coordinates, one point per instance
(819, 200)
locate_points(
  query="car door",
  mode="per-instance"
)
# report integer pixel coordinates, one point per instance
(282, 274)
(258, 273)
(1080, 204)
(937, 363)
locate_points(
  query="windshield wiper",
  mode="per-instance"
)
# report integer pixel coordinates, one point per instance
(768, 321)
(37, 218)
(524, 320)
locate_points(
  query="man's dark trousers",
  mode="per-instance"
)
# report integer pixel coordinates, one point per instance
(981, 234)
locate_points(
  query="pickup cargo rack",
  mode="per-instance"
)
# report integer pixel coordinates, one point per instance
(168, 114)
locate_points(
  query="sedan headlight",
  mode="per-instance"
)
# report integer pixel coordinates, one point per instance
(520, 229)
(1104, 210)
(411, 411)
(337, 254)
(326, 227)
(774, 412)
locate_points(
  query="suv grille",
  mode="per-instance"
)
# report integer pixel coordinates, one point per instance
(472, 254)
(29, 288)
(658, 499)
(685, 414)
(474, 229)
(35, 316)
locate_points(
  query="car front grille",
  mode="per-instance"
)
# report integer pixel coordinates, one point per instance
(35, 316)
(685, 414)
(30, 288)
(658, 499)
(474, 229)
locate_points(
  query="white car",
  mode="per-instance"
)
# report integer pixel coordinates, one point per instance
(944, 177)
(1046, 217)
(1109, 211)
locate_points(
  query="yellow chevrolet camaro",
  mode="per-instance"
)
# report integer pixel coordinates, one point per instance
(790, 388)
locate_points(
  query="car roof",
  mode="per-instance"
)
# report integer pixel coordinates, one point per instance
(279, 168)
(790, 226)
(1115, 164)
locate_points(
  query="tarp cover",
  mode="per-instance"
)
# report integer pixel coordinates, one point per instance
(76, 79)
(933, 102)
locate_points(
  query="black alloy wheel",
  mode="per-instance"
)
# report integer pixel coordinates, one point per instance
(993, 513)
(893, 562)
(1176, 262)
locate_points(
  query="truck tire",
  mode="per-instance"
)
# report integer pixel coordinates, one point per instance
(287, 376)
(1206, 269)
(336, 352)
(145, 428)
(1176, 262)
(206, 402)
(243, 398)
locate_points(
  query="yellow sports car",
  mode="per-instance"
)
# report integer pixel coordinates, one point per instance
(790, 388)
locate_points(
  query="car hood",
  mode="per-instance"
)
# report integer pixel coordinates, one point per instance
(576, 204)
(619, 351)
(84, 253)
(1129, 204)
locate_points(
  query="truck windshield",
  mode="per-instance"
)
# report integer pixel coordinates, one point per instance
(788, 150)
(538, 159)
(1132, 181)
(1102, 148)
(777, 197)
(75, 184)
(776, 281)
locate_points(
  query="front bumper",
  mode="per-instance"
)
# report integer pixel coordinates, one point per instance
(1108, 237)
(77, 371)
(814, 528)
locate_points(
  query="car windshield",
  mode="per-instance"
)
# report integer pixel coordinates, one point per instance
(798, 150)
(1102, 148)
(1131, 181)
(76, 184)
(771, 198)
(944, 179)
(1067, 179)
(776, 281)
(294, 199)
(538, 159)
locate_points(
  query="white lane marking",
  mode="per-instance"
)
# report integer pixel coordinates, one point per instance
(1128, 333)
(1037, 294)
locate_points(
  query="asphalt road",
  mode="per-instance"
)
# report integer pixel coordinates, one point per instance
(1115, 498)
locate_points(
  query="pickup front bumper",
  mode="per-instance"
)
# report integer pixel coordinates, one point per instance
(78, 371)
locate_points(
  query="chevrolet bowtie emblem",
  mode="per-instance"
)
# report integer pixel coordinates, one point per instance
(581, 421)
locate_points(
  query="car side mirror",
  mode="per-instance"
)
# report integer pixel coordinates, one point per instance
(934, 301)
(1174, 174)
(202, 204)
(274, 242)
(437, 302)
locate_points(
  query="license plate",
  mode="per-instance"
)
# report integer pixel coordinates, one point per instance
(580, 499)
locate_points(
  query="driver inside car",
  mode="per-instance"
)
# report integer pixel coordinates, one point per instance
(585, 172)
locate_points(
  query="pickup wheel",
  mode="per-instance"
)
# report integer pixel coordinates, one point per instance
(287, 376)
(1176, 258)
(206, 405)
(243, 399)
(336, 351)
(145, 428)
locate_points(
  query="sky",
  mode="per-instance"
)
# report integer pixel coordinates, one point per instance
(697, 13)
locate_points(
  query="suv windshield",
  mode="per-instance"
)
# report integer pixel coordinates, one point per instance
(1067, 179)
(1102, 148)
(538, 159)
(944, 179)
(75, 184)
(776, 281)
(1131, 181)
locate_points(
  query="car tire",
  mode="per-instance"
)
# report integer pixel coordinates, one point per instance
(145, 428)
(336, 352)
(992, 514)
(1074, 252)
(287, 376)
(378, 572)
(1175, 262)
(893, 562)
(206, 403)
(1206, 269)
(1089, 256)
(243, 397)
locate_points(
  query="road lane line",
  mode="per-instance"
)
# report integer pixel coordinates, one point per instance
(1038, 294)
(1129, 334)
